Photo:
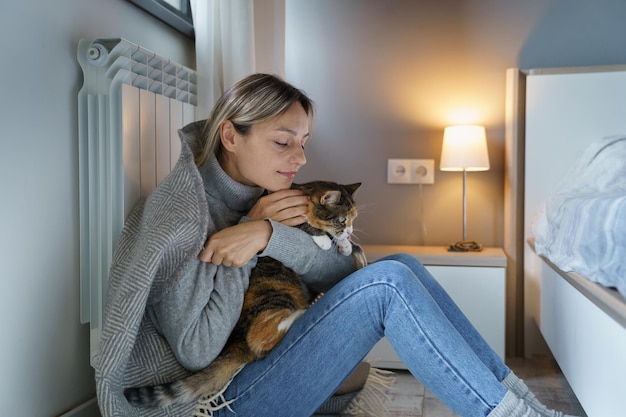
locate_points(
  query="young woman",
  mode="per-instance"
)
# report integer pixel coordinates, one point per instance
(184, 258)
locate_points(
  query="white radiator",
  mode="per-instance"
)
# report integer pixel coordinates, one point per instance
(130, 107)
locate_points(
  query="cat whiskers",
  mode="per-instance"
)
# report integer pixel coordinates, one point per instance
(354, 235)
(362, 208)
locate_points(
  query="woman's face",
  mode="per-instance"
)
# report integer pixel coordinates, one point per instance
(271, 154)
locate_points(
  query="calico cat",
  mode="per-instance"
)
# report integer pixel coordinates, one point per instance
(275, 298)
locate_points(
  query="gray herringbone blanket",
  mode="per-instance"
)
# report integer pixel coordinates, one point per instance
(162, 246)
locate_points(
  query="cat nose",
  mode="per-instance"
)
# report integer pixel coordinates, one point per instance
(349, 230)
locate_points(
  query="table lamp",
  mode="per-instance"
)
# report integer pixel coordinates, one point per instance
(464, 149)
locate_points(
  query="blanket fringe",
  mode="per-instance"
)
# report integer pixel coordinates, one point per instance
(207, 405)
(372, 400)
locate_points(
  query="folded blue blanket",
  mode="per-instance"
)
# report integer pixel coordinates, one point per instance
(582, 227)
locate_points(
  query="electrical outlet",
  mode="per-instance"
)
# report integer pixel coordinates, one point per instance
(422, 171)
(398, 171)
(410, 171)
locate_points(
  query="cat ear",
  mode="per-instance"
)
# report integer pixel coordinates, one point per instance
(330, 197)
(351, 188)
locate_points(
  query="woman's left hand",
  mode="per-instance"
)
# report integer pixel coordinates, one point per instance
(238, 244)
(286, 206)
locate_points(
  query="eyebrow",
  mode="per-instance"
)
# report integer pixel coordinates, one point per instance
(291, 131)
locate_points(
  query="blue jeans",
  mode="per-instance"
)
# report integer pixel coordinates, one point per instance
(395, 297)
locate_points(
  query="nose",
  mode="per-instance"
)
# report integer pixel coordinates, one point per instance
(297, 156)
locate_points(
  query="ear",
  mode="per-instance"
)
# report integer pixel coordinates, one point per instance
(330, 197)
(351, 188)
(227, 135)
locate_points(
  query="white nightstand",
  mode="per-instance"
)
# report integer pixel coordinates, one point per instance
(474, 280)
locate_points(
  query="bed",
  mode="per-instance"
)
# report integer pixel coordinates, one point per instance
(566, 198)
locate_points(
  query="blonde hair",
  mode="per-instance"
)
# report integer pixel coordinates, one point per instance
(254, 99)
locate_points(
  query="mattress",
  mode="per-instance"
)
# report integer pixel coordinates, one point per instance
(582, 226)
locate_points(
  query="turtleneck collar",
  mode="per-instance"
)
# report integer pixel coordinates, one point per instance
(218, 184)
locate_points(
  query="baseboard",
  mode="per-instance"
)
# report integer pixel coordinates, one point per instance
(86, 409)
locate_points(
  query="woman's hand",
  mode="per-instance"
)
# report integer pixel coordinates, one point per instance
(286, 206)
(236, 245)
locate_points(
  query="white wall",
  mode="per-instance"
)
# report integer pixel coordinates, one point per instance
(44, 349)
(269, 36)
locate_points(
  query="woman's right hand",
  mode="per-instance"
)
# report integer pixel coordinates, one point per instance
(286, 206)
(236, 245)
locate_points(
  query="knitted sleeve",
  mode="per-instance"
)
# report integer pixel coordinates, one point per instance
(198, 313)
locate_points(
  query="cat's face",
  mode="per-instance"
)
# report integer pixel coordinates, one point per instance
(331, 206)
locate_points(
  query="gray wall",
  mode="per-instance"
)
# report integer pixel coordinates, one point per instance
(388, 76)
(44, 349)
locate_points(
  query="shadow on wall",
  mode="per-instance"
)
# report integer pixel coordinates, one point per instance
(577, 33)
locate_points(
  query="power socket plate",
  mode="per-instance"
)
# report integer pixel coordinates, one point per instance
(422, 171)
(398, 171)
(410, 171)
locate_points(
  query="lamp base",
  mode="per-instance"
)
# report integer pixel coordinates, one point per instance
(465, 246)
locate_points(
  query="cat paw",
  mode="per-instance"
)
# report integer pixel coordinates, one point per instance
(323, 242)
(359, 257)
(344, 246)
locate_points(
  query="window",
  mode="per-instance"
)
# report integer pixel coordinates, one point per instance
(176, 13)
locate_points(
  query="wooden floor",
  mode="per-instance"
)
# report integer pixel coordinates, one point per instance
(546, 381)
(541, 374)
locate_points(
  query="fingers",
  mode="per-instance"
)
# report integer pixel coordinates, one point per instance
(236, 245)
(291, 216)
(280, 194)
(295, 220)
(285, 206)
(208, 255)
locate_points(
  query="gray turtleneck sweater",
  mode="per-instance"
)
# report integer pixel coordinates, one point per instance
(198, 313)
(165, 308)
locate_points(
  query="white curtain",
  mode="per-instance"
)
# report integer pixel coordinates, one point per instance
(224, 32)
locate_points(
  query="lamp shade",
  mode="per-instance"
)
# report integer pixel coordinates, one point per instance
(464, 149)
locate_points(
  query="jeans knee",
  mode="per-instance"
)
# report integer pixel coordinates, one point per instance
(389, 271)
(409, 260)
(401, 257)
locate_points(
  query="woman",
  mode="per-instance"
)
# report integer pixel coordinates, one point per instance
(184, 258)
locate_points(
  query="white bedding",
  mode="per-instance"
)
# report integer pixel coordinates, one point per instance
(582, 227)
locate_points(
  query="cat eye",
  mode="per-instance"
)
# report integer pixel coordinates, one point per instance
(342, 220)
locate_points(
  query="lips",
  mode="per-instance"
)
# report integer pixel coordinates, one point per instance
(288, 174)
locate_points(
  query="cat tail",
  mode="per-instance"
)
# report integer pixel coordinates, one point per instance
(205, 383)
